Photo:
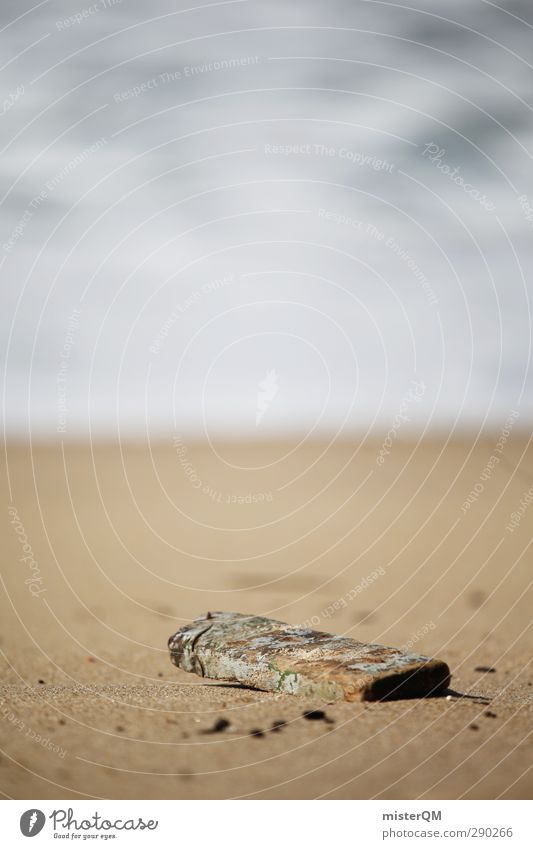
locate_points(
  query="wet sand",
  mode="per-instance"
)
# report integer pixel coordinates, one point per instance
(123, 544)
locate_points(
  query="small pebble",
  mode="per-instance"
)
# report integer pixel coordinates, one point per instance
(484, 669)
(40, 681)
(317, 715)
(449, 698)
(474, 727)
(257, 732)
(278, 724)
(491, 714)
(219, 726)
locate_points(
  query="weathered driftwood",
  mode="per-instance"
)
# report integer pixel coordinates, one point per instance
(271, 655)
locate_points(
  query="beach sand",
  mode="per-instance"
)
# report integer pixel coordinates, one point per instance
(126, 543)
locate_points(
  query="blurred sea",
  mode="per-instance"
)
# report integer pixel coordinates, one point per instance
(255, 219)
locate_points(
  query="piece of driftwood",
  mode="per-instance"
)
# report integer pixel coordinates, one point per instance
(271, 655)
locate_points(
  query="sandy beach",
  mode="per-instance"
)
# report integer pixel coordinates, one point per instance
(109, 548)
